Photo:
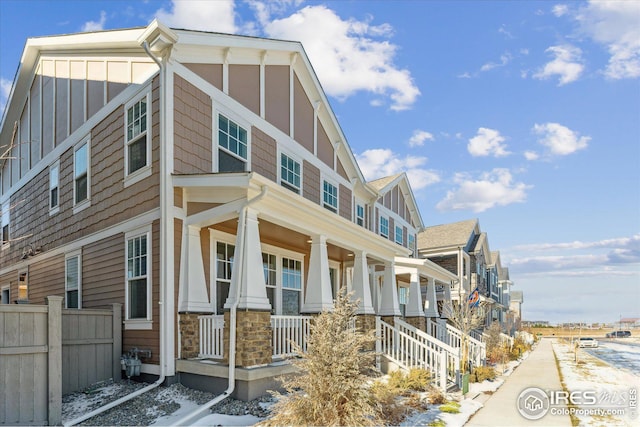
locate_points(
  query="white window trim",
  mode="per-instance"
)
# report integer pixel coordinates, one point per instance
(216, 144)
(77, 207)
(216, 236)
(142, 324)
(295, 159)
(337, 186)
(144, 171)
(396, 234)
(78, 254)
(56, 209)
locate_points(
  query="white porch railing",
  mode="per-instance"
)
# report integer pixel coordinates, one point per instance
(211, 337)
(506, 340)
(477, 350)
(410, 347)
(288, 332)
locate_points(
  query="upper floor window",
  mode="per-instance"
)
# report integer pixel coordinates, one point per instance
(289, 173)
(360, 214)
(54, 187)
(232, 140)
(384, 227)
(138, 277)
(72, 281)
(81, 173)
(138, 148)
(330, 196)
(399, 235)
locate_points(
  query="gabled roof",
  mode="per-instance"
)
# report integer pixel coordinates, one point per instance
(448, 236)
(516, 296)
(383, 185)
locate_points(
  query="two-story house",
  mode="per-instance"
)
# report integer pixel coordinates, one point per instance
(202, 181)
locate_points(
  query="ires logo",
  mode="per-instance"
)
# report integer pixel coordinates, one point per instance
(575, 398)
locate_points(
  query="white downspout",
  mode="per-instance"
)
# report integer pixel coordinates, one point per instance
(242, 222)
(162, 377)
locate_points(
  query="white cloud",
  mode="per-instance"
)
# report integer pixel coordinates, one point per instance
(567, 64)
(531, 155)
(5, 91)
(560, 9)
(560, 140)
(419, 137)
(351, 59)
(615, 24)
(504, 60)
(495, 188)
(381, 162)
(95, 25)
(487, 142)
(201, 15)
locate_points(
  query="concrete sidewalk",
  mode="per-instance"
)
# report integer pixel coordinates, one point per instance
(538, 370)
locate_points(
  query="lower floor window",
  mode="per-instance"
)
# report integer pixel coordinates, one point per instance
(291, 286)
(138, 277)
(72, 281)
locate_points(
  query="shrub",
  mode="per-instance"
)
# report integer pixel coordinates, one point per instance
(519, 347)
(416, 379)
(385, 398)
(481, 373)
(450, 407)
(436, 397)
(332, 388)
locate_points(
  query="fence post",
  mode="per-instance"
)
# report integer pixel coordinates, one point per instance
(443, 371)
(117, 340)
(378, 342)
(54, 355)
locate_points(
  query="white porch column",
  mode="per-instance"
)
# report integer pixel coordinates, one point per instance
(389, 297)
(414, 305)
(361, 286)
(430, 303)
(248, 273)
(193, 286)
(447, 307)
(318, 297)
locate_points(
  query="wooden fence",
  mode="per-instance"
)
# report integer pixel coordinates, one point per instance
(46, 352)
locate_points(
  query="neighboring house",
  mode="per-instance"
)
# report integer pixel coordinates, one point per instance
(199, 179)
(516, 298)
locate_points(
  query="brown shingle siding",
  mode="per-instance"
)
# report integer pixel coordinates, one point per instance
(311, 182)
(192, 128)
(345, 202)
(263, 154)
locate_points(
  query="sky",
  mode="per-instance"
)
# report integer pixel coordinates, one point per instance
(525, 115)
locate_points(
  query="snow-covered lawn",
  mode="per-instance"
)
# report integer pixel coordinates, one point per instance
(613, 387)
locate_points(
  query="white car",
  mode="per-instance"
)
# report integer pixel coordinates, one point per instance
(587, 342)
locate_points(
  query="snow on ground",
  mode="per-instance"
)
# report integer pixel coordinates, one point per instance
(615, 389)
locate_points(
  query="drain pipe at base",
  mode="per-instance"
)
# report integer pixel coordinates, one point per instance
(160, 380)
(242, 222)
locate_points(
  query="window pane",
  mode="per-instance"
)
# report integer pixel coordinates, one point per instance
(81, 161)
(138, 299)
(137, 154)
(72, 273)
(222, 293)
(54, 198)
(290, 302)
(81, 188)
(72, 299)
(229, 163)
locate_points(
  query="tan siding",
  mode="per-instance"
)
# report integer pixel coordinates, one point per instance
(192, 128)
(345, 202)
(263, 154)
(276, 94)
(212, 73)
(77, 108)
(177, 197)
(402, 207)
(62, 84)
(341, 171)
(325, 148)
(244, 85)
(303, 121)
(46, 278)
(392, 229)
(394, 199)
(197, 207)
(311, 182)
(111, 202)
(103, 275)
(387, 200)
